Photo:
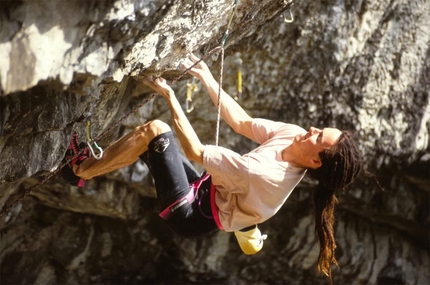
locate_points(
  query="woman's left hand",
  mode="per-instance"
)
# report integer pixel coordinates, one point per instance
(160, 86)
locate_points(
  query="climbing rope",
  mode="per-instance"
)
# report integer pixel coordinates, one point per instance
(218, 117)
(223, 41)
(7, 208)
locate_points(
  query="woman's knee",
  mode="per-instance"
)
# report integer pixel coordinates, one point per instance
(154, 128)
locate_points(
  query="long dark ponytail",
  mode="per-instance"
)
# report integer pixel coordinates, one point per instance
(340, 165)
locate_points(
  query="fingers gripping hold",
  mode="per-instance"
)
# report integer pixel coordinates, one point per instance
(159, 85)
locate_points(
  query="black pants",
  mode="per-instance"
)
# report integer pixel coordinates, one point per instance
(173, 174)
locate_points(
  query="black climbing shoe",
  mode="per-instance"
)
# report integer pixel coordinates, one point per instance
(74, 157)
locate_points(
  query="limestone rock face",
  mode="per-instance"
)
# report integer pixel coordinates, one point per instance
(357, 65)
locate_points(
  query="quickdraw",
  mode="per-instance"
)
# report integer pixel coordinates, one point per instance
(89, 141)
(289, 19)
(227, 31)
(239, 77)
(191, 88)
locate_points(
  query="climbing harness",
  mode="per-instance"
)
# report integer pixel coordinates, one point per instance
(7, 208)
(191, 88)
(189, 198)
(89, 141)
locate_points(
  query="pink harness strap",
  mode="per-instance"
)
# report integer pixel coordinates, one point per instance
(214, 208)
(194, 187)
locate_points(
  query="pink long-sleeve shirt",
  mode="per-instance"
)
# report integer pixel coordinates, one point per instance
(251, 188)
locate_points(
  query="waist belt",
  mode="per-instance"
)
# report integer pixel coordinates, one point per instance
(189, 198)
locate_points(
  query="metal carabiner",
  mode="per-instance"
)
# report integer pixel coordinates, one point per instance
(191, 87)
(89, 141)
(291, 19)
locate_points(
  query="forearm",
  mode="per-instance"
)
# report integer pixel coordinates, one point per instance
(188, 138)
(232, 113)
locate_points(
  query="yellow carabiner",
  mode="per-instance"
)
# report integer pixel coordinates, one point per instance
(191, 87)
(87, 131)
(239, 77)
(239, 84)
(89, 141)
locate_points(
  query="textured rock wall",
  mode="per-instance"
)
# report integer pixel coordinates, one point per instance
(360, 65)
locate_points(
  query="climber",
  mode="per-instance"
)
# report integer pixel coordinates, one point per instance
(236, 192)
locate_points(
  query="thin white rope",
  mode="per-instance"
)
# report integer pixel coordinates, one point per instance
(218, 120)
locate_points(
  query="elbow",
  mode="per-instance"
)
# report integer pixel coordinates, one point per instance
(236, 125)
(189, 155)
(237, 129)
(195, 154)
(243, 128)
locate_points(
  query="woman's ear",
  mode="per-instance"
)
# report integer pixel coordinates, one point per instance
(316, 163)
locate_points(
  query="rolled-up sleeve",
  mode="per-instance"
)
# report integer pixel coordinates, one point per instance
(264, 129)
(227, 168)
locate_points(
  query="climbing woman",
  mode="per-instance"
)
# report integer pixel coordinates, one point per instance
(237, 192)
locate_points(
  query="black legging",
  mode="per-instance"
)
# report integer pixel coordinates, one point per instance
(173, 174)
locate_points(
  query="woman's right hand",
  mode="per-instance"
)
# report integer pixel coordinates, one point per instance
(200, 70)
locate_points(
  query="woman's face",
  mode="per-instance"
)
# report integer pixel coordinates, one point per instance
(315, 141)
